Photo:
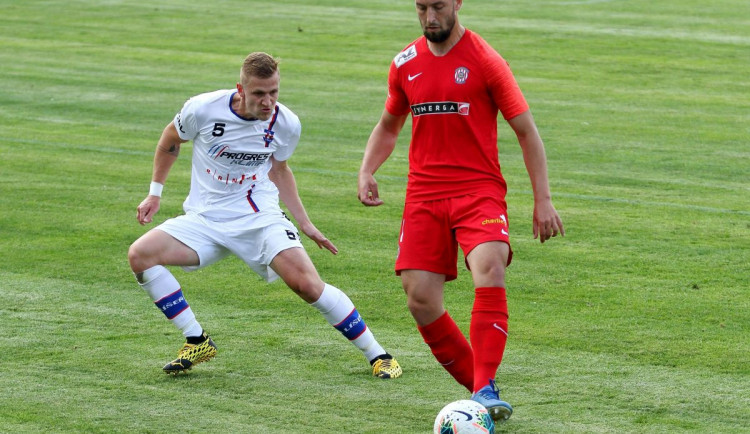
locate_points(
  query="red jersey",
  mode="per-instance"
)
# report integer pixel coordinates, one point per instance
(454, 101)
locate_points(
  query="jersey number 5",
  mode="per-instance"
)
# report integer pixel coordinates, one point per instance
(218, 129)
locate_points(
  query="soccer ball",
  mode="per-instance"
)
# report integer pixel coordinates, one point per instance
(464, 417)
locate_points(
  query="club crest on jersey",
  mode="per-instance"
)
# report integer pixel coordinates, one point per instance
(405, 56)
(268, 137)
(461, 75)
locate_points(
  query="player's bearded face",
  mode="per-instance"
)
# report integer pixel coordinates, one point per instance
(258, 96)
(437, 20)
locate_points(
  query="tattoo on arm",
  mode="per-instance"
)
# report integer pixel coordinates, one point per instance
(173, 150)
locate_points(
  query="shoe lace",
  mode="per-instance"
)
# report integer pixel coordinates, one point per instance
(490, 393)
(385, 364)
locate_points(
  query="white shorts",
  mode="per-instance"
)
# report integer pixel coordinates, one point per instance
(255, 238)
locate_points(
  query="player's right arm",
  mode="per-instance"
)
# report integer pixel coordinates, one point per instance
(380, 145)
(165, 155)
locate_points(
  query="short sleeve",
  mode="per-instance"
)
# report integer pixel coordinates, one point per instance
(186, 122)
(396, 103)
(502, 85)
(290, 138)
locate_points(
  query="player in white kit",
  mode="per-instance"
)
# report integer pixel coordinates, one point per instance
(241, 142)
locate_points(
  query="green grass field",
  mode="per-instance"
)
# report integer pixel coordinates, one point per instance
(637, 321)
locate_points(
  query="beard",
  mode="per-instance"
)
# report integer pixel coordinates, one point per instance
(439, 36)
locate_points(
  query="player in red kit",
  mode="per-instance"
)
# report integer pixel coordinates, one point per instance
(454, 85)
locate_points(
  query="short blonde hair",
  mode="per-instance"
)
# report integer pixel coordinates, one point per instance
(258, 64)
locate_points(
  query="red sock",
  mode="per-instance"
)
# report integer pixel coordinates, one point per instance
(488, 333)
(450, 348)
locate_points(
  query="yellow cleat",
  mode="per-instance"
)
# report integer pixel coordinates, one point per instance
(191, 354)
(386, 368)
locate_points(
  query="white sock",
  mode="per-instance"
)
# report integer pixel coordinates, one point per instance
(340, 312)
(166, 293)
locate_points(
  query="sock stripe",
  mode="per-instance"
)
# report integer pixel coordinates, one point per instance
(178, 313)
(168, 295)
(172, 304)
(345, 318)
(352, 326)
(500, 328)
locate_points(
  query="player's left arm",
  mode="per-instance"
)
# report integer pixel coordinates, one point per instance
(546, 221)
(281, 175)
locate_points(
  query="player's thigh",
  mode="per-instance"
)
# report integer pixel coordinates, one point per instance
(260, 238)
(297, 270)
(426, 241)
(157, 247)
(479, 219)
(205, 241)
(481, 227)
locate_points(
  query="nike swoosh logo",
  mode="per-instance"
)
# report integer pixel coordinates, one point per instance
(412, 77)
(499, 328)
(468, 416)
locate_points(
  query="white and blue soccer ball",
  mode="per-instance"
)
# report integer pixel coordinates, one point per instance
(464, 417)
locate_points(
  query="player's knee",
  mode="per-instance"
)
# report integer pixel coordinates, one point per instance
(425, 311)
(489, 275)
(307, 288)
(419, 304)
(138, 259)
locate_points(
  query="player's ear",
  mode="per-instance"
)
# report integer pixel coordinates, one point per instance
(239, 88)
(459, 3)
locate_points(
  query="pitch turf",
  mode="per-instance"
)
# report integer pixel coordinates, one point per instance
(636, 321)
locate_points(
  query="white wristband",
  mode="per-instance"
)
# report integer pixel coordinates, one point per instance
(155, 189)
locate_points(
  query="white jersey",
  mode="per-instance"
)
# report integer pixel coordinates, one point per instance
(232, 155)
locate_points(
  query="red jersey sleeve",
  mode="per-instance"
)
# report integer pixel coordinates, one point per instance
(502, 84)
(396, 103)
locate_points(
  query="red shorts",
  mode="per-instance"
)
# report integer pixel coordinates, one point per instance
(431, 232)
